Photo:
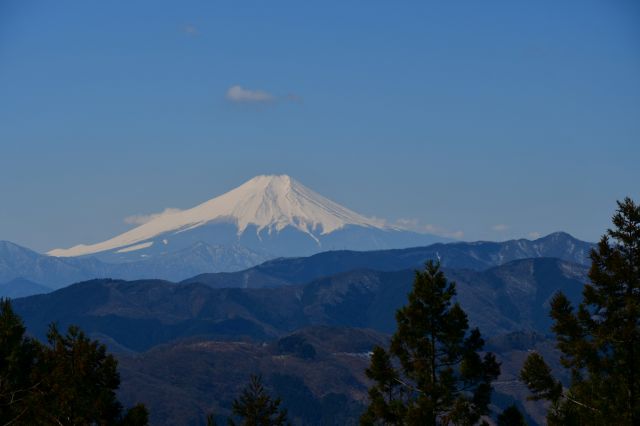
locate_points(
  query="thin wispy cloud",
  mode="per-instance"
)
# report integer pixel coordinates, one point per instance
(239, 94)
(141, 219)
(412, 224)
(437, 230)
(191, 30)
(408, 223)
(501, 227)
(534, 235)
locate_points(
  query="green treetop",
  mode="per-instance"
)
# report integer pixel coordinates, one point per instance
(256, 407)
(600, 340)
(433, 373)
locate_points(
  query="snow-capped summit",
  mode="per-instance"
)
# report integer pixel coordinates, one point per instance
(277, 201)
(268, 204)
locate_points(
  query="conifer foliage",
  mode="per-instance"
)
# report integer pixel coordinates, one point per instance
(600, 340)
(433, 373)
(17, 362)
(511, 416)
(256, 407)
(71, 381)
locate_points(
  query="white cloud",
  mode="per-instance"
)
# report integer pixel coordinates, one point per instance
(436, 230)
(141, 219)
(500, 227)
(534, 235)
(190, 30)
(408, 223)
(412, 224)
(239, 94)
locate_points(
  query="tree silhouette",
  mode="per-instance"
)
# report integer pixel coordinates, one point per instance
(600, 341)
(18, 357)
(511, 416)
(433, 373)
(256, 407)
(72, 381)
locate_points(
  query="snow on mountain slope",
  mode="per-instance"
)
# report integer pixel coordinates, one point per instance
(270, 203)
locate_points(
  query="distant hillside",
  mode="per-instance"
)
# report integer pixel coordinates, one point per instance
(18, 262)
(318, 372)
(56, 272)
(187, 349)
(19, 287)
(476, 256)
(140, 314)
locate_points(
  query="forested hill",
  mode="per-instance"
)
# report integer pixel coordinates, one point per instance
(138, 315)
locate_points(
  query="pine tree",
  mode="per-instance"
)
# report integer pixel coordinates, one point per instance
(138, 415)
(80, 380)
(70, 382)
(256, 408)
(211, 420)
(600, 341)
(511, 416)
(433, 373)
(18, 357)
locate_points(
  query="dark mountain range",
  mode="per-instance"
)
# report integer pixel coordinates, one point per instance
(140, 314)
(189, 262)
(187, 349)
(56, 272)
(18, 262)
(476, 256)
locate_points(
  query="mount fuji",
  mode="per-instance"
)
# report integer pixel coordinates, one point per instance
(268, 216)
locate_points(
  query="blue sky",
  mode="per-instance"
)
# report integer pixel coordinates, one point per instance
(497, 119)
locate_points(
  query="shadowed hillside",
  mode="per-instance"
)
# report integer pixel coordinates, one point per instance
(138, 315)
